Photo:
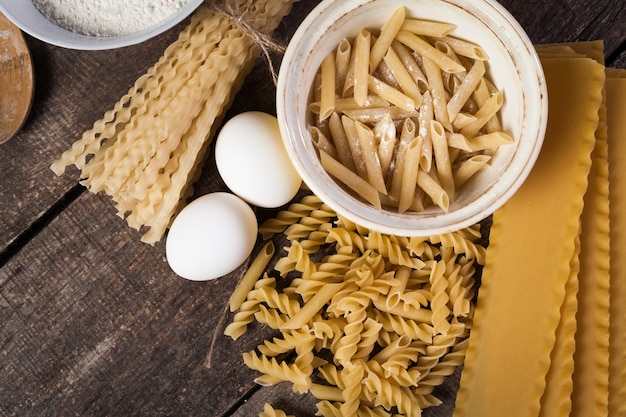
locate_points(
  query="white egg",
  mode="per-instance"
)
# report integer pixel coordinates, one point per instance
(211, 236)
(253, 162)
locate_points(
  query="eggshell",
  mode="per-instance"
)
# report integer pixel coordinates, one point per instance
(211, 236)
(253, 162)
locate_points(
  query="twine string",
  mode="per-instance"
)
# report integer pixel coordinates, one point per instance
(264, 40)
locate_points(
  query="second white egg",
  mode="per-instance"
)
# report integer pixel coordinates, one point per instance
(253, 162)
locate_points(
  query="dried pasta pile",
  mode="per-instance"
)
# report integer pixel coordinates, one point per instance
(405, 116)
(369, 323)
(548, 338)
(146, 151)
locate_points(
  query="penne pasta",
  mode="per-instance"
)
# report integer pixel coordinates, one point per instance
(468, 168)
(387, 35)
(385, 135)
(484, 114)
(403, 77)
(357, 184)
(342, 63)
(482, 93)
(411, 65)
(409, 174)
(390, 94)
(374, 115)
(327, 87)
(442, 157)
(433, 189)
(352, 137)
(410, 107)
(256, 269)
(435, 82)
(370, 158)
(407, 135)
(489, 141)
(425, 49)
(465, 48)
(321, 142)
(426, 115)
(361, 66)
(340, 141)
(465, 90)
(427, 28)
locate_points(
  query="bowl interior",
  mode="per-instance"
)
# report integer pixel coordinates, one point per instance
(25, 15)
(513, 66)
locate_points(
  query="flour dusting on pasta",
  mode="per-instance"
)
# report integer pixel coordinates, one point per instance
(404, 116)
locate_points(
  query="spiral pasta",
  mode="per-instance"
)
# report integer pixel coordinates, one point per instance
(146, 152)
(377, 321)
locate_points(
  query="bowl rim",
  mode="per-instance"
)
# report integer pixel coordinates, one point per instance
(25, 15)
(408, 225)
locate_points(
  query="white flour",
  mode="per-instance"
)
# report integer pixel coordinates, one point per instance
(107, 17)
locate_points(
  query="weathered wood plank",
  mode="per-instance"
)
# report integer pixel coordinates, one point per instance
(95, 323)
(92, 322)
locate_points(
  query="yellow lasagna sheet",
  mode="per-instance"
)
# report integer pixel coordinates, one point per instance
(531, 255)
(616, 120)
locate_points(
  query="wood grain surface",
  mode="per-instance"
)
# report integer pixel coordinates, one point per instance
(92, 321)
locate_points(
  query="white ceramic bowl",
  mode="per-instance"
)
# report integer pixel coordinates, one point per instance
(513, 66)
(28, 18)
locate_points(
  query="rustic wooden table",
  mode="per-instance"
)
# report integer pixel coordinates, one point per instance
(92, 321)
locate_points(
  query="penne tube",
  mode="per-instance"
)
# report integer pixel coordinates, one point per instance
(374, 115)
(395, 292)
(361, 66)
(435, 82)
(423, 48)
(465, 90)
(342, 63)
(312, 306)
(370, 158)
(387, 34)
(442, 158)
(407, 134)
(402, 76)
(340, 141)
(461, 120)
(396, 347)
(481, 95)
(390, 94)
(468, 168)
(484, 114)
(489, 141)
(348, 103)
(321, 142)
(458, 141)
(426, 115)
(465, 48)
(385, 135)
(433, 190)
(409, 174)
(354, 143)
(327, 87)
(246, 284)
(351, 180)
(427, 28)
(348, 84)
(411, 65)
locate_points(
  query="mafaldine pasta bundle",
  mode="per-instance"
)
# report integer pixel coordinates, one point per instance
(549, 324)
(147, 151)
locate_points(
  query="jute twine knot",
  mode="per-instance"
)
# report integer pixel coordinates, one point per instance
(264, 40)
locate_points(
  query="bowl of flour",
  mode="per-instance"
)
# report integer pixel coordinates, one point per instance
(96, 24)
